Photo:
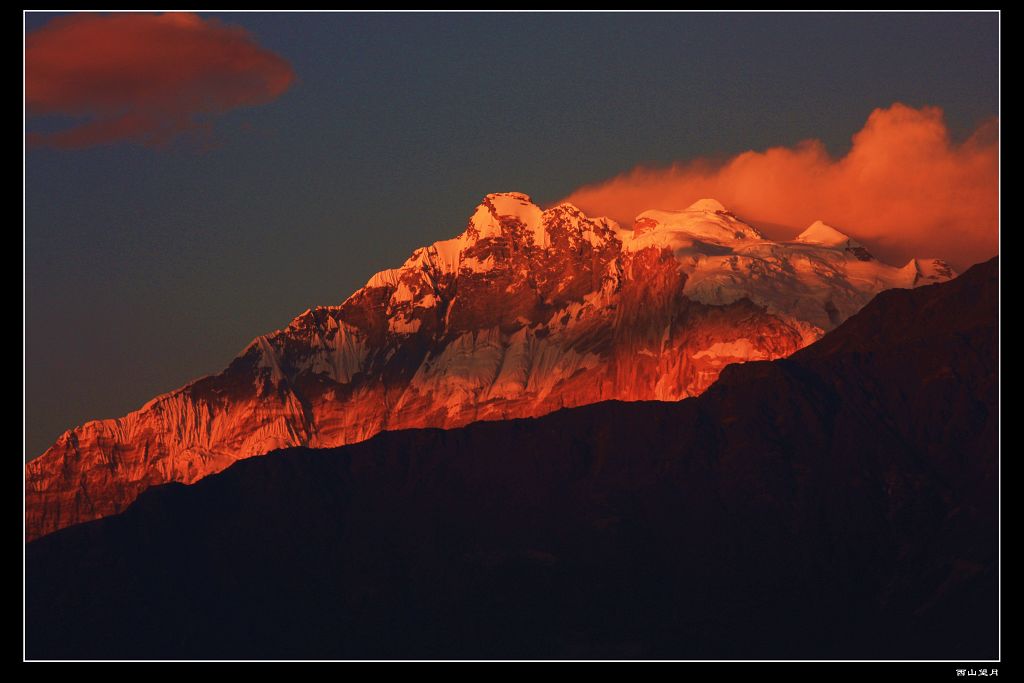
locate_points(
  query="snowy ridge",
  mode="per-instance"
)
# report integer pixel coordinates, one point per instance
(704, 220)
(524, 312)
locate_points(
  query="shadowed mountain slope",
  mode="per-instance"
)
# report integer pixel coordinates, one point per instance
(840, 503)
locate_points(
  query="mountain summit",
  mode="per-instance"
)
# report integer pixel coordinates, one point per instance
(820, 232)
(525, 312)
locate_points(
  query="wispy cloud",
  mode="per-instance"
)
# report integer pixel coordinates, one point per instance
(143, 78)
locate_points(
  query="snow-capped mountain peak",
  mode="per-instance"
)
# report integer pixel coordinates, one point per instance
(705, 220)
(500, 211)
(824, 234)
(922, 271)
(711, 205)
(524, 312)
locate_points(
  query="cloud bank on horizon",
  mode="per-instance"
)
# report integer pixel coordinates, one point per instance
(904, 188)
(143, 78)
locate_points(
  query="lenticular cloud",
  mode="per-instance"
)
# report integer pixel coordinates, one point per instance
(143, 78)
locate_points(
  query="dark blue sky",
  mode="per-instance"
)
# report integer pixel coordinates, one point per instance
(147, 268)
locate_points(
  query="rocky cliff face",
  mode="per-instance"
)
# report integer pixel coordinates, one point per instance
(841, 503)
(525, 312)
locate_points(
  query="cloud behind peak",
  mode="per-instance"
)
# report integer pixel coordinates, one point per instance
(904, 188)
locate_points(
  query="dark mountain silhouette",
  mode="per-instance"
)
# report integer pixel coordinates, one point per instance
(840, 503)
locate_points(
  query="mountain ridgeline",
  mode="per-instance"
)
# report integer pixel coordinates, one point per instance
(525, 312)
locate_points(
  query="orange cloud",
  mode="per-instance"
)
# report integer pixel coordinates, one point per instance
(143, 78)
(904, 188)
